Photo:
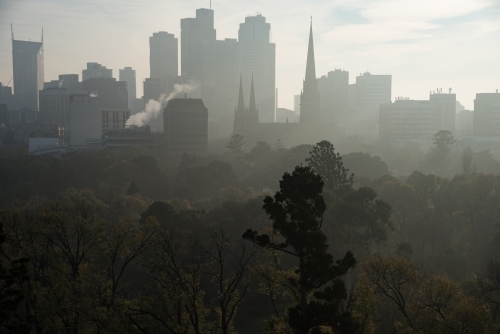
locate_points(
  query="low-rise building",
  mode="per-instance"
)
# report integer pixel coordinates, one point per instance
(117, 139)
(416, 120)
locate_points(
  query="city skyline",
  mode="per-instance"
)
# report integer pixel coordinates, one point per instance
(422, 46)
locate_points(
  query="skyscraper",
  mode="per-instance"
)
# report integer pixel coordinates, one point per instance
(128, 75)
(309, 98)
(27, 61)
(196, 33)
(96, 70)
(226, 88)
(163, 59)
(257, 58)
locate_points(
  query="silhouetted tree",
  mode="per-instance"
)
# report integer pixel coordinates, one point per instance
(132, 189)
(363, 165)
(297, 213)
(443, 139)
(236, 144)
(329, 165)
(13, 275)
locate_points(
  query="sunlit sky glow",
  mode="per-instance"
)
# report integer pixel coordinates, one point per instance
(424, 44)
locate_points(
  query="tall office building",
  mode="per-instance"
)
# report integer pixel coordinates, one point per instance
(163, 59)
(128, 75)
(196, 33)
(226, 88)
(334, 92)
(214, 64)
(257, 58)
(96, 70)
(27, 61)
(487, 115)
(54, 100)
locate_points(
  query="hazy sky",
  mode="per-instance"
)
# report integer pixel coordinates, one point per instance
(424, 44)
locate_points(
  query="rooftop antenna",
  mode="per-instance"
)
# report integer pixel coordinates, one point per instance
(11, 31)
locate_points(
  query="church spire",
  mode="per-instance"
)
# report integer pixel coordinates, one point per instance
(241, 103)
(309, 99)
(252, 107)
(311, 63)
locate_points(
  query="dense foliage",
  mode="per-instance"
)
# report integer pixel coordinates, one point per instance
(130, 242)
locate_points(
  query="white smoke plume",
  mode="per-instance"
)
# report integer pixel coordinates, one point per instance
(153, 108)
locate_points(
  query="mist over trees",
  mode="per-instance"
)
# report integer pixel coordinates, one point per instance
(327, 238)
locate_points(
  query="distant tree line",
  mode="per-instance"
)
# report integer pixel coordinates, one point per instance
(273, 240)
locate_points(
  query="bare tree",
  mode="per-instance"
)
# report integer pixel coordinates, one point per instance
(228, 265)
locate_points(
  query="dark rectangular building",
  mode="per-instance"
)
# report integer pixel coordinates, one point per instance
(185, 125)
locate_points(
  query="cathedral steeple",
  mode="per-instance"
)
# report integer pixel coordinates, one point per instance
(241, 102)
(311, 63)
(309, 100)
(252, 107)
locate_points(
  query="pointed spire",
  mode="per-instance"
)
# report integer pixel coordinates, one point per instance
(310, 67)
(241, 102)
(42, 33)
(11, 31)
(309, 97)
(252, 107)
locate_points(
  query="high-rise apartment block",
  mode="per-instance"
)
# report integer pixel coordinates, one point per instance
(96, 70)
(257, 58)
(334, 93)
(27, 61)
(163, 59)
(487, 115)
(127, 74)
